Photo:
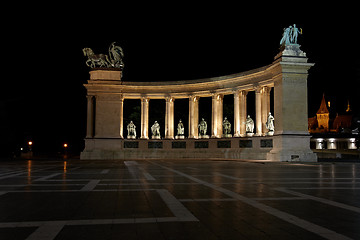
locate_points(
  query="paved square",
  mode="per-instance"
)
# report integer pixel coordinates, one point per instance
(166, 199)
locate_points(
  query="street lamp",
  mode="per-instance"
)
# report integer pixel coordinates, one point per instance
(65, 145)
(30, 143)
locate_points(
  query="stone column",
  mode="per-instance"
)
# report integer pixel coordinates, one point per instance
(291, 141)
(237, 122)
(243, 112)
(90, 117)
(193, 116)
(144, 118)
(217, 115)
(169, 118)
(258, 112)
(121, 106)
(265, 107)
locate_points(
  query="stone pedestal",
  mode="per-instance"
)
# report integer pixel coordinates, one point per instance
(227, 135)
(291, 137)
(204, 136)
(292, 148)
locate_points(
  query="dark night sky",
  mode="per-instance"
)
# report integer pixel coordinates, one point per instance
(44, 99)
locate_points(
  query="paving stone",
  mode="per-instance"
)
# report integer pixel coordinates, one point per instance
(192, 199)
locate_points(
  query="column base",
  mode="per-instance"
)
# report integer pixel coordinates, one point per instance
(292, 148)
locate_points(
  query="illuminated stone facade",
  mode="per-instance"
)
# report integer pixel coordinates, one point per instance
(287, 75)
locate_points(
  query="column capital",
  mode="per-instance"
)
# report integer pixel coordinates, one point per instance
(239, 91)
(145, 99)
(258, 89)
(169, 98)
(194, 98)
(266, 90)
(244, 93)
(217, 96)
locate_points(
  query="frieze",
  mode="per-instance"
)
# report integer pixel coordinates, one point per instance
(109, 97)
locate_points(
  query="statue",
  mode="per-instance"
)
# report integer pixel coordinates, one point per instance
(203, 129)
(226, 128)
(290, 35)
(95, 60)
(249, 126)
(113, 60)
(270, 124)
(131, 128)
(295, 34)
(116, 55)
(155, 129)
(180, 130)
(286, 36)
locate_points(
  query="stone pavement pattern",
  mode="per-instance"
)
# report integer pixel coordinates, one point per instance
(178, 200)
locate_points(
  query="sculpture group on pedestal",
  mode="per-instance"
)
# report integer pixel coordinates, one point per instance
(290, 35)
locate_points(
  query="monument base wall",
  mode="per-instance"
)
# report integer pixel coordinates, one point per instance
(256, 148)
(292, 148)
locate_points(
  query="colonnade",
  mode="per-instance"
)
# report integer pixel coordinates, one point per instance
(287, 75)
(98, 103)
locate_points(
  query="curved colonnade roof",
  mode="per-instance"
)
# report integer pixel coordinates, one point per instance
(109, 82)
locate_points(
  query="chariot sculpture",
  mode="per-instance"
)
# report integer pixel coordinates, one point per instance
(113, 60)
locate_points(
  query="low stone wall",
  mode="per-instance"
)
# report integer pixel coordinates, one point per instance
(255, 148)
(337, 154)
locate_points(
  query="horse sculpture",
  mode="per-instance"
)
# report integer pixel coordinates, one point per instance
(102, 60)
(95, 60)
